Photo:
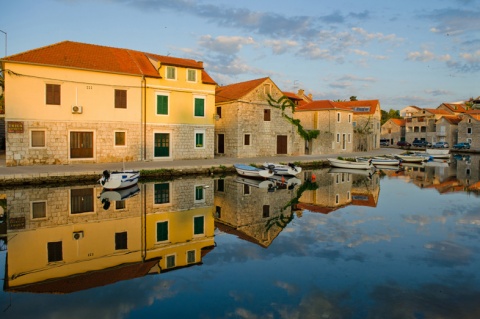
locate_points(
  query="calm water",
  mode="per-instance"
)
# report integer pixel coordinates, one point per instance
(398, 244)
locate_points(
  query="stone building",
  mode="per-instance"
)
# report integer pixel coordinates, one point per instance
(422, 125)
(469, 129)
(247, 126)
(335, 123)
(409, 110)
(447, 129)
(393, 130)
(91, 104)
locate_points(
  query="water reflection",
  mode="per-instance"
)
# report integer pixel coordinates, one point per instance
(330, 243)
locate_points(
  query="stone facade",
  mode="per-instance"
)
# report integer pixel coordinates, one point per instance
(447, 130)
(469, 130)
(393, 130)
(249, 127)
(56, 149)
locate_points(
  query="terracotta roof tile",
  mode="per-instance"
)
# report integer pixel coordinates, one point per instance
(78, 55)
(292, 96)
(353, 104)
(399, 122)
(455, 107)
(321, 105)
(236, 91)
(452, 119)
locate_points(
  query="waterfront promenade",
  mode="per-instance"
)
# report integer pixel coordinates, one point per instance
(28, 174)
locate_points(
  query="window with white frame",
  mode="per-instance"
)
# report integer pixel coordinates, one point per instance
(161, 193)
(162, 106)
(39, 209)
(200, 139)
(199, 194)
(37, 138)
(338, 137)
(191, 75)
(199, 225)
(170, 261)
(120, 138)
(171, 72)
(190, 256)
(199, 106)
(162, 231)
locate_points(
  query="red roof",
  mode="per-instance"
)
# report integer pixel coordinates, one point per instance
(399, 122)
(321, 105)
(436, 111)
(292, 96)
(455, 107)
(236, 91)
(452, 119)
(78, 55)
(361, 103)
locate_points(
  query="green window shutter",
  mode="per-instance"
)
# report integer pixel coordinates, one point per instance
(198, 223)
(199, 107)
(162, 231)
(198, 193)
(199, 140)
(162, 104)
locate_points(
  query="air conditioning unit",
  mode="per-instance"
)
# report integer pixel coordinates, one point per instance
(77, 235)
(77, 109)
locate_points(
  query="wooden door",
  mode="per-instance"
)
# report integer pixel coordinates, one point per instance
(221, 144)
(81, 144)
(282, 144)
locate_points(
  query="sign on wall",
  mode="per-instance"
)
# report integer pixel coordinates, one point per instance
(14, 127)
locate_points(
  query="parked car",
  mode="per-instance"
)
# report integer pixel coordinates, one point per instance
(384, 142)
(421, 143)
(440, 145)
(403, 144)
(462, 146)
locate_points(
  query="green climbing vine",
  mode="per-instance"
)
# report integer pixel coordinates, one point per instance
(284, 102)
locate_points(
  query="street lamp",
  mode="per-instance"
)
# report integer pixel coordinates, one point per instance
(5, 41)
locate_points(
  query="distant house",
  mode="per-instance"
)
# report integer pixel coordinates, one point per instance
(247, 126)
(367, 116)
(92, 104)
(421, 125)
(393, 130)
(447, 128)
(335, 123)
(409, 110)
(469, 129)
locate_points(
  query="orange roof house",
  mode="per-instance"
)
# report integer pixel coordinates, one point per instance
(89, 103)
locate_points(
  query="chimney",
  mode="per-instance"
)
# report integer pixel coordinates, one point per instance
(301, 92)
(310, 96)
(201, 63)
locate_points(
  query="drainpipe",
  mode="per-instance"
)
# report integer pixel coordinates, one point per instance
(144, 117)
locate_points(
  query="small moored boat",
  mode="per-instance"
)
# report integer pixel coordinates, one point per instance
(119, 180)
(250, 171)
(107, 196)
(411, 158)
(363, 172)
(280, 169)
(349, 164)
(380, 160)
(438, 152)
(265, 184)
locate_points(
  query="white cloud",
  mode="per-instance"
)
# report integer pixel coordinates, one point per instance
(225, 44)
(280, 46)
(423, 56)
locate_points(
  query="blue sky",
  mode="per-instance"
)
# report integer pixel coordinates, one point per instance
(422, 52)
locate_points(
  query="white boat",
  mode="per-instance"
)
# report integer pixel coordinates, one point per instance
(411, 158)
(280, 169)
(349, 164)
(438, 152)
(119, 180)
(107, 196)
(265, 184)
(380, 161)
(250, 171)
(285, 181)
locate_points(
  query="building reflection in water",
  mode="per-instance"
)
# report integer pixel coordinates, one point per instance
(66, 239)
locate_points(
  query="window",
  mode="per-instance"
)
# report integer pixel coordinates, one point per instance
(219, 112)
(246, 139)
(246, 189)
(121, 240)
(162, 231)
(191, 75)
(120, 139)
(469, 130)
(218, 212)
(348, 195)
(38, 138)
(190, 256)
(349, 118)
(162, 104)
(199, 107)
(199, 139)
(81, 201)
(198, 225)
(337, 199)
(220, 185)
(53, 94)
(267, 88)
(266, 114)
(39, 210)
(120, 204)
(171, 73)
(120, 99)
(349, 138)
(170, 261)
(266, 211)
(199, 194)
(162, 193)
(54, 251)
(338, 117)
(338, 138)
(354, 124)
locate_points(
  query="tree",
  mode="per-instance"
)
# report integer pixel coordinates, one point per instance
(391, 114)
(353, 98)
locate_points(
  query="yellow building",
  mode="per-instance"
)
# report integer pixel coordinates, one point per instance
(73, 102)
